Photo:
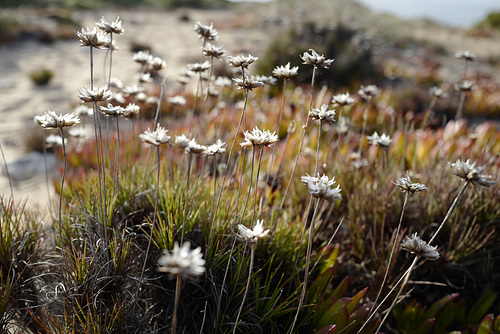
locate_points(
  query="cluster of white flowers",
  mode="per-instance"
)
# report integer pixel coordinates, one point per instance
(253, 235)
(257, 137)
(465, 55)
(468, 171)
(182, 262)
(465, 86)
(321, 187)
(415, 245)
(211, 50)
(377, 140)
(199, 67)
(437, 92)
(92, 38)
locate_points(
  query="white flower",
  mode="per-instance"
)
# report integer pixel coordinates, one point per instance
(156, 64)
(468, 171)
(407, 186)
(223, 82)
(465, 55)
(342, 100)
(254, 235)
(437, 92)
(323, 114)
(54, 140)
(197, 67)
(131, 111)
(182, 141)
(112, 110)
(367, 92)
(178, 100)
(50, 120)
(133, 90)
(218, 148)
(211, 50)
(267, 80)
(315, 59)
(156, 138)
(415, 245)
(144, 77)
(258, 137)
(142, 57)
(94, 95)
(78, 133)
(241, 61)
(285, 71)
(83, 110)
(383, 140)
(92, 38)
(206, 32)
(320, 187)
(249, 83)
(113, 27)
(465, 86)
(182, 261)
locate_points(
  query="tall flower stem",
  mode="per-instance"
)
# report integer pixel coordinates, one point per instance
(392, 252)
(252, 256)
(62, 184)
(308, 261)
(317, 148)
(199, 91)
(304, 131)
(117, 154)
(250, 184)
(178, 286)
(460, 109)
(214, 176)
(257, 183)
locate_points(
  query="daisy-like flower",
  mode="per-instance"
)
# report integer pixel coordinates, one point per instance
(131, 111)
(465, 55)
(367, 92)
(206, 32)
(133, 90)
(155, 64)
(320, 187)
(465, 86)
(223, 82)
(181, 141)
(415, 245)
(114, 27)
(315, 59)
(211, 50)
(249, 83)
(407, 186)
(78, 133)
(83, 110)
(437, 92)
(468, 171)
(218, 148)
(255, 234)
(267, 80)
(182, 262)
(241, 60)
(197, 67)
(142, 57)
(53, 140)
(156, 138)
(92, 38)
(258, 137)
(383, 140)
(144, 77)
(323, 114)
(51, 120)
(94, 95)
(285, 71)
(342, 100)
(177, 100)
(112, 110)
(194, 147)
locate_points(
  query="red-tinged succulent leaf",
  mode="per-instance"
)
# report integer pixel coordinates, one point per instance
(327, 329)
(450, 312)
(361, 312)
(407, 319)
(425, 327)
(371, 327)
(341, 289)
(355, 300)
(438, 306)
(329, 316)
(341, 318)
(486, 326)
(481, 307)
(321, 282)
(332, 257)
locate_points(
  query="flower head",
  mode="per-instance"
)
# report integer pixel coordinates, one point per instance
(257, 137)
(367, 92)
(323, 114)
(197, 67)
(267, 80)
(211, 50)
(415, 245)
(254, 235)
(114, 27)
(156, 138)
(465, 86)
(183, 261)
(53, 140)
(131, 111)
(206, 32)
(249, 83)
(320, 187)
(241, 61)
(437, 92)
(94, 95)
(465, 55)
(383, 140)
(111, 110)
(218, 148)
(92, 38)
(177, 100)
(50, 120)
(315, 59)
(407, 186)
(285, 71)
(142, 57)
(468, 171)
(78, 133)
(342, 100)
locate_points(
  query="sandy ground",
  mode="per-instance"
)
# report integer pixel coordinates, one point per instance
(247, 30)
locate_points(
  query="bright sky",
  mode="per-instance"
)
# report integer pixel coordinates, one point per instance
(453, 12)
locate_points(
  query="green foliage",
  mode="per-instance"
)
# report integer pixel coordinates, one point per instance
(41, 77)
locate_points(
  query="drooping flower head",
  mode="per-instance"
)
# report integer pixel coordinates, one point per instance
(257, 137)
(468, 171)
(182, 262)
(253, 235)
(323, 114)
(315, 59)
(320, 187)
(415, 245)
(156, 137)
(114, 27)
(285, 71)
